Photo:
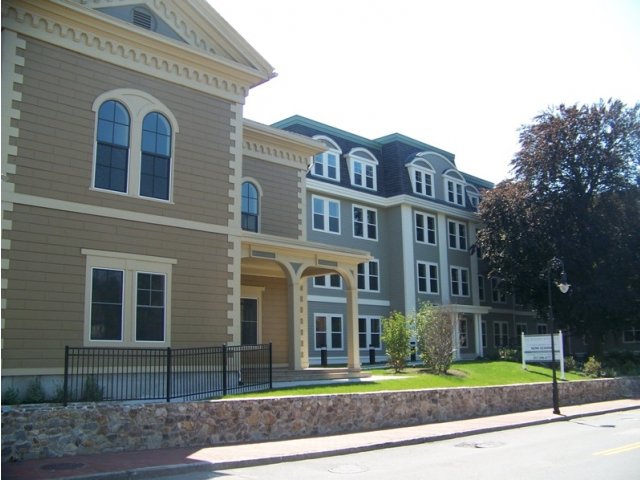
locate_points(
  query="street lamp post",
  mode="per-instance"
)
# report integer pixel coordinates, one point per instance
(554, 265)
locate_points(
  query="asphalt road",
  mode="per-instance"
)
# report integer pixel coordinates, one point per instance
(598, 447)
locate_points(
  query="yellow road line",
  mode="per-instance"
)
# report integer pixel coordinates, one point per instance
(622, 449)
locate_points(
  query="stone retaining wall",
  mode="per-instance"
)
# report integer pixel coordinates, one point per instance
(41, 431)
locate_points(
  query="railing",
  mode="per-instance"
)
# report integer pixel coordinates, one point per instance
(121, 374)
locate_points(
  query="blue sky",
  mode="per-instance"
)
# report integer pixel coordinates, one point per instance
(461, 75)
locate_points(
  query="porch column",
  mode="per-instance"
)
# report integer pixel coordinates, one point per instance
(353, 349)
(477, 321)
(297, 323)
(456, 335)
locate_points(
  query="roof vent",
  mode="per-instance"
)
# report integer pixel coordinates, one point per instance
(142, 18)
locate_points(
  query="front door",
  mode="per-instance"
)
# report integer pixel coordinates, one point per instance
(249, 321)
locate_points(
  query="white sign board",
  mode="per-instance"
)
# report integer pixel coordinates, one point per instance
(537, 348)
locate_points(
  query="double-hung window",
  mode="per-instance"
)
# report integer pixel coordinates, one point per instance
(481, 288)
(365, 223)
(457, 235)
(328, 331)
(326, 215)
(425, 228)
(128, 299)
(427, 277)
(498, 295)
(454, 186)
(369, 332)
(500, 334)
(362, 168)
(250, 207)
(369, 276)
(134, 144)
(112, 147)
(463, 332)
(459, 281)
(631, 335)
(327, 164)
(422, 174)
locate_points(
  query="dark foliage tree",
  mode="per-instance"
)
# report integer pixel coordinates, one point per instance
(575, 195)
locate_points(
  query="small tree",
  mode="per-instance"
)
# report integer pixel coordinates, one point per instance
(435, 337)
(396, 334)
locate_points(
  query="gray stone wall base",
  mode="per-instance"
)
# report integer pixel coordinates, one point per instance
(43, 431)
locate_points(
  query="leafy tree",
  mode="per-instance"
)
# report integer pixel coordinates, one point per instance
(575, 195)
(396, 333)
(434, 333)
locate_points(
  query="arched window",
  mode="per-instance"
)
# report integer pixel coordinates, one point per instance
(112, 152)
(135, 145)
(155, 165)
(250, 207)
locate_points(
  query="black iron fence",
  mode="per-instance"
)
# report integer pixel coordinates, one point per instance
(121, 374)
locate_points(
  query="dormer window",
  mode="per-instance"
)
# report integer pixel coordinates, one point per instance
(362, 169)
(421, 173)
(454, 188)
(474, 196)
(327, 164)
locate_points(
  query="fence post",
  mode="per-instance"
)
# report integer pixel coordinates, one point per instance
(168, 374)
(65, 384)
(224, 370)
(270, 366)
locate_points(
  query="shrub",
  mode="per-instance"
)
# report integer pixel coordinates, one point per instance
(592, 367)
(91, 391)
(10, 396)
(396, 333)
(35, 393)
(570, 364)
(509, 354)
(434, 333)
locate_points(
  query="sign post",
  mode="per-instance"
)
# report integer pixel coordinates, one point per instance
(537, 348)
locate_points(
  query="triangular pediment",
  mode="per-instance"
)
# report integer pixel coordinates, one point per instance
(192, 22)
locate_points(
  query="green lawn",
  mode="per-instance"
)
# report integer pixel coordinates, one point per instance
(461, 374)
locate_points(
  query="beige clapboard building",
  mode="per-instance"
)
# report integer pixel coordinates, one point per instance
(125, 160)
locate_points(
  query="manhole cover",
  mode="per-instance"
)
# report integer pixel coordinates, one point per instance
(61, 466)
(348, 469)
(480, 444)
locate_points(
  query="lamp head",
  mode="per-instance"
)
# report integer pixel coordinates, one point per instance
(563, 285)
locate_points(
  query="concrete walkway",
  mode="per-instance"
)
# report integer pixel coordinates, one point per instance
(156, 463)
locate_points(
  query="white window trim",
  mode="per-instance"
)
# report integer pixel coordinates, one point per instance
(369, 332)
(501, 294)
(428, 277)
(425, 216)
(326, 201)
(329, 331)
(457, 181)
(460, 270)
(425, 168)
(367, 276)
(457, 235)
(352, 157)
(365, 224)
(138, 105)
(495, 331)
(327, 280)
(130, 264)
(332, 148)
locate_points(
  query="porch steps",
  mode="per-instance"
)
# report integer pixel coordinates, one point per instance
(316, 374)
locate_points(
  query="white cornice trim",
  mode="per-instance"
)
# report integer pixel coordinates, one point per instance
(90, 33)
(358, 196)
(361, 301)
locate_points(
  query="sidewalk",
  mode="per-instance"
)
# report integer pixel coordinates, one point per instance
(156, 463)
